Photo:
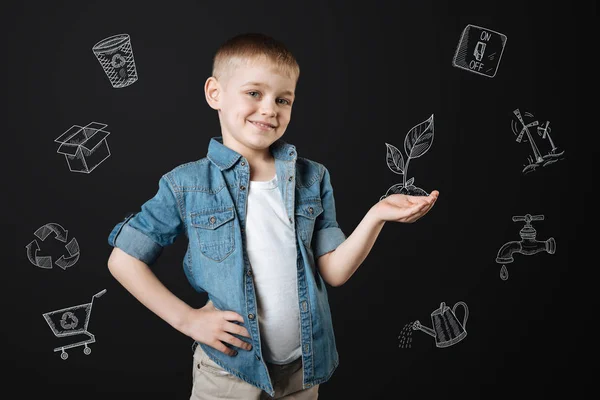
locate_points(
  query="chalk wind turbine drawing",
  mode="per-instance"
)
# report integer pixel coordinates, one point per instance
(416, 143)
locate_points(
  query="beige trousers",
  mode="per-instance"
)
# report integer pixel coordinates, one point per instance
(210, 382)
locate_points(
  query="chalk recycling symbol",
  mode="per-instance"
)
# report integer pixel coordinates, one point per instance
(60, 234)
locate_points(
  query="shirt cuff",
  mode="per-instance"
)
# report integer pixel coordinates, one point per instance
(327, 239)
(137, 244)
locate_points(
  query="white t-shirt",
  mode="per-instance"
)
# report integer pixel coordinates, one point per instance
(271, 247)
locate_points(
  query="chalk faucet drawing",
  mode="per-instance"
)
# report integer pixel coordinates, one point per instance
(84, 147)
(528, 244)
(416, 143)
(479, 50)
(447, 329)
(115, 55)
(60, 234)
(72, 321)
(521, 129)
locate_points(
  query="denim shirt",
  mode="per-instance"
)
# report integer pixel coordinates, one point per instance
(207, 200)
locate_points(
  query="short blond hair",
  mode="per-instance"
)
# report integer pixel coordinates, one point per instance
(246, 48)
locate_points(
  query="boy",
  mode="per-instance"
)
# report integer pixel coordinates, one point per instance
(263, 238)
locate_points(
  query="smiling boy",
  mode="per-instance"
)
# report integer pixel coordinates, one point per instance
(263, 238)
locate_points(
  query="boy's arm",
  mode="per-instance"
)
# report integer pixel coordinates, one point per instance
(138, 242)
(338, 266)
(140, 281)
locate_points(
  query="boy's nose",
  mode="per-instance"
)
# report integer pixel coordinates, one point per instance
(267, 109)
(269, 112)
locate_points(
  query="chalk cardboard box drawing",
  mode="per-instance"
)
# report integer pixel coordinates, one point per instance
(84, 147)
(447, 330)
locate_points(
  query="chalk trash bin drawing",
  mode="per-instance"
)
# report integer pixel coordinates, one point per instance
(84, 147)
(116, 58)
(72, 321)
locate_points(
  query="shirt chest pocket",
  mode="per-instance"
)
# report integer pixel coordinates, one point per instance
(215, 232)
(306, 214)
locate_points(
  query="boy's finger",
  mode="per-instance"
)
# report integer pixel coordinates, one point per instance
(232, 316)
(237, 329)
(420, 211)
(429, 205)
(232, 340)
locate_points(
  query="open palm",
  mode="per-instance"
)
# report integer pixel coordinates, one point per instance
(404, 208)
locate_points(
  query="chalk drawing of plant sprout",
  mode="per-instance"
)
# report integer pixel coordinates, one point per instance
(416, 143)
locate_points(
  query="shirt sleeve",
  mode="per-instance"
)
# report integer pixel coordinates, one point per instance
(144, 234)
(327, 233)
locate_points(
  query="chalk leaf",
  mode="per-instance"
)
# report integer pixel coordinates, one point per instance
(419, 139)
(394, 159)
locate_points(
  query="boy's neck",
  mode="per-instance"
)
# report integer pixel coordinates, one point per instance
(262, 168)
(261, 156)
(262, 162)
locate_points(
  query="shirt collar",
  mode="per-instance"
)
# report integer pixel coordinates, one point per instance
(224, 157)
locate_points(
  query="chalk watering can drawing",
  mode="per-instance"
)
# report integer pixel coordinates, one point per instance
(447, 330)
(416, 143)
(115, 55)
(520, 127)
(528, 245)
(72, 321)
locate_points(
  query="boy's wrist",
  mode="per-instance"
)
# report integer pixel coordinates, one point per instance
(183, 323)
(373, 217)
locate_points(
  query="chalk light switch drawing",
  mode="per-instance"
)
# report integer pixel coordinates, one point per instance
(479, 50)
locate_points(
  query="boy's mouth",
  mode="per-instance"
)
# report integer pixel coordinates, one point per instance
(262, 126)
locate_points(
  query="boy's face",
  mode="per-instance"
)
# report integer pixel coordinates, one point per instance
(254, 92)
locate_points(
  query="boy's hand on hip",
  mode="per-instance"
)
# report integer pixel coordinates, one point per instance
(213, 327)
(404, 208)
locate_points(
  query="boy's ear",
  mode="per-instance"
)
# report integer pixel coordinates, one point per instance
(212, 91)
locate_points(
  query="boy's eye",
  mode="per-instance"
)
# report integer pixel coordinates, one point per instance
(284, 100)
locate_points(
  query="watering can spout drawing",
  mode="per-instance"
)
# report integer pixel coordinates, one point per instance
(429, 331)
(447, 330)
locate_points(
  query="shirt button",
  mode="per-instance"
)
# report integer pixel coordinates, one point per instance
(310, 210)
(242, 187)
(291, 153)
(251, 316)
(290, 178)
(243, 163)
(249, 272)
(258, 357)
(212, 220)
(291, 222)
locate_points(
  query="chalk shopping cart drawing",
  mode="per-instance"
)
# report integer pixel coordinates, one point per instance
(72, 321)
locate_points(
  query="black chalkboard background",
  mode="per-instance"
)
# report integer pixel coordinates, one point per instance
(369, 73)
